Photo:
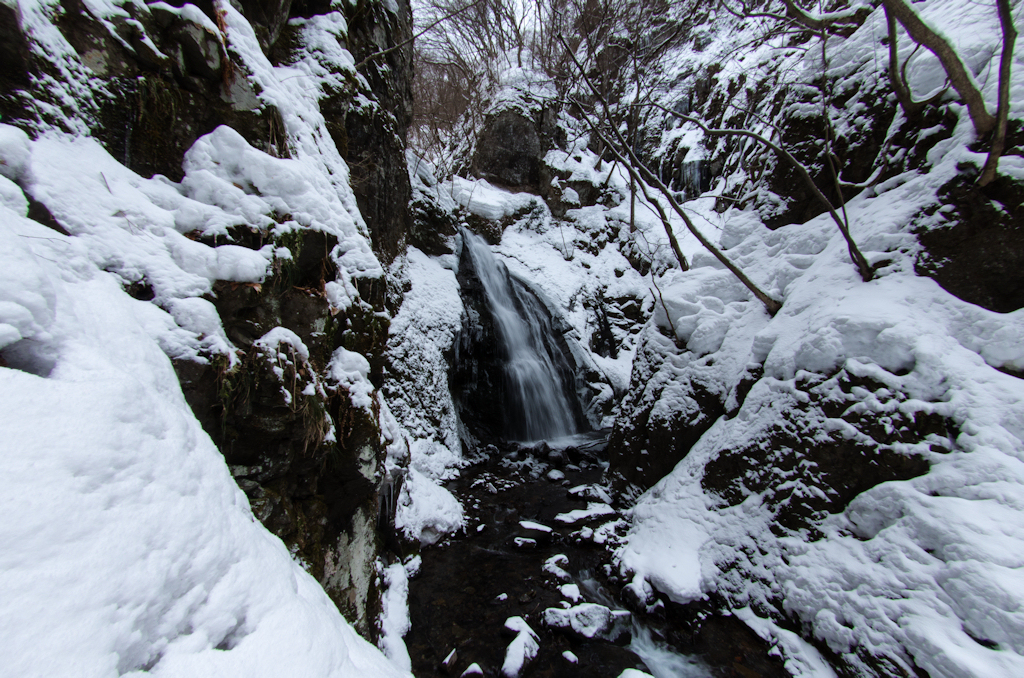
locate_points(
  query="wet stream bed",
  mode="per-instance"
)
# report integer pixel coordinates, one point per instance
(538, 524)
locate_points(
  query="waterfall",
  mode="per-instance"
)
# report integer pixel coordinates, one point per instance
(535, 398)
(694, 178)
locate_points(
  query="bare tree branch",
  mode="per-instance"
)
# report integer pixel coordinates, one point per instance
(898, 75)
(961, 80)
(771, 305)
(394, 48)
(855, 254)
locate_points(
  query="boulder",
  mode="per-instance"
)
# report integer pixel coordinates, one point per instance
(509, 151)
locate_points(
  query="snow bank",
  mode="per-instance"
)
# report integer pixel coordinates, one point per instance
(421, 334)
(394, 617)
(128, 546)
(919, 572)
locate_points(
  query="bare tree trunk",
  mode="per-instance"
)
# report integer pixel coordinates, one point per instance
(988, 173)
(898, 75)
(961, 80)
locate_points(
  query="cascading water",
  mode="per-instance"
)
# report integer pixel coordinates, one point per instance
(538, 408)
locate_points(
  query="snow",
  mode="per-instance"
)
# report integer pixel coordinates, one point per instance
(523, 648)
(128, 546)
(554, 567)
(351, 371)
(593, 510)
(14, 152)
(571, 592)
(487, 201)
(589, 620)
(802, 659)
(427, 511)
(394, 618)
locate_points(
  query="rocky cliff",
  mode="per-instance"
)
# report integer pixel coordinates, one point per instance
(281, 395)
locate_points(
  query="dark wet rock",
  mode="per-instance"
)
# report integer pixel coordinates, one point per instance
(509, 151)
(557, 458)
(372, 139)
(267, 17)
(801, 135)
(39, 212)
(540, 450)
(976, 254)
(432, 229)
(14, 63)
(802, 478)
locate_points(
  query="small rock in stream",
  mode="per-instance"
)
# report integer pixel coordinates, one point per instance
(449, 662)
(590, 620)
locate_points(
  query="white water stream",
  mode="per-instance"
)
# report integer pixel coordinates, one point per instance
(661, 659)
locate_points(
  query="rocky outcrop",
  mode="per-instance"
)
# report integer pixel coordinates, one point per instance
(660, 418)
(302, 447)
(511, 147)
(302, 439)
(372, 137)
(974, 251)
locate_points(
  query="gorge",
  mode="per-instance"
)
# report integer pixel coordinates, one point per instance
(511, 339)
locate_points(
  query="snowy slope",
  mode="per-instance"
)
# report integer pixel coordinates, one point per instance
(917, 571)
(127, 545)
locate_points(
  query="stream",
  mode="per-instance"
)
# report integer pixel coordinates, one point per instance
(536, 536)
(519, 591)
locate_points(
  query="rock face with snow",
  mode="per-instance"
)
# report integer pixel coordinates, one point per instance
(370, 131)
(260, 265)
(515, 137)
(823, 467)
